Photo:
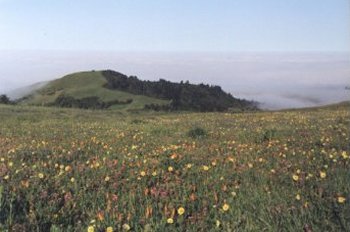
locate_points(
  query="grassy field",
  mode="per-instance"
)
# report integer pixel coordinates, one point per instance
(81, 170)
(88, 84)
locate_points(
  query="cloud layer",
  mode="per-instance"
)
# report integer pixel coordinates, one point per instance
(278, 80)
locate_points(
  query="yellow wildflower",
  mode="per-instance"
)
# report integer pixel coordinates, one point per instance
(298, 197)
(225, 207)
(142, 173)
(295, 177)
(180, 210)
(170, 169)
(323, 174)
(341, 200)
(68, 168)
(109, 229)
(91, 229)
(126, 227)
(205, 168)
(41, 175)
(344, 155)
(170, 221)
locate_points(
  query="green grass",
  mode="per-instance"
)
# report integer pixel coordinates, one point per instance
(139, 169)
(88, 84)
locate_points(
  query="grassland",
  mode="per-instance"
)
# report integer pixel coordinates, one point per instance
(88, 84)
(81, 170)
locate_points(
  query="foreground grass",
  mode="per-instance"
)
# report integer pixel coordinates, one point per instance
(72, 170)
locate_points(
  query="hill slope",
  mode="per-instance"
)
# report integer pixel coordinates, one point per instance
(110, 89)
(85, 85)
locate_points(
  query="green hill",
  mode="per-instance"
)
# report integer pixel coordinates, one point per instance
(110, 89)
(84, 85)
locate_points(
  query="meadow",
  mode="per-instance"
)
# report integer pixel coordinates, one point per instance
(84, 170)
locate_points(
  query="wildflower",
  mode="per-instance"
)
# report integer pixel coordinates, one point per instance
(344, 155)
(68, 168)
(107, 178)
(109, 229)
(250, 165)
(180, 210)
(126, 227)
(225, 207)
(170, 221)
(217, 223)
(170, 169)
(25, 183)
(100, 216)
(41, 175)
(295, 177)
(6, 177)
(205, 168)
(10, 164)
(341, 200)
(154, 173)
(189, 165)
(91, 229)
(323, 174)
(143, 173)
(298, 197)
(72, 179)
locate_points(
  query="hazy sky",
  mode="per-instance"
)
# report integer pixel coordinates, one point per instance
(176, 25)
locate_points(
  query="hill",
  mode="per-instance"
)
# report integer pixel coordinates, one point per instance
(86, 90)
(110, 89)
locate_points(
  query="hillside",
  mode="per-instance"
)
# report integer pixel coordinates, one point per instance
(71, 169)
(110, 89)
(87, 85)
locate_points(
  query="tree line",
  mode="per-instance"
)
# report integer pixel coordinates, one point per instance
(182, 96)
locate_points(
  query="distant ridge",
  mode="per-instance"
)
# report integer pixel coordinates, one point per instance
(111, 89)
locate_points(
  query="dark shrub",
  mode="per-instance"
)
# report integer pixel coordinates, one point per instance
(197, 132)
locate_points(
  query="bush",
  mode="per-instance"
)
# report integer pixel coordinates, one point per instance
(266, 136)
(4, 99)
(197, 132)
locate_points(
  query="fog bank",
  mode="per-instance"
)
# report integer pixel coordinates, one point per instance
(277, 80)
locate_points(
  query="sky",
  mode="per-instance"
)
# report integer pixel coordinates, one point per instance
(181, 25)
(283, 53)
